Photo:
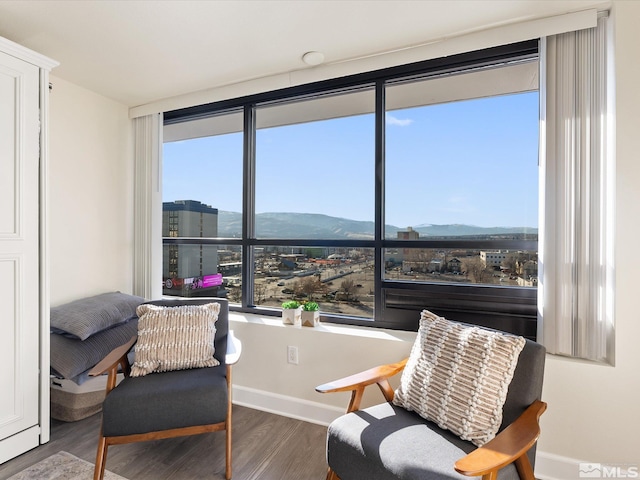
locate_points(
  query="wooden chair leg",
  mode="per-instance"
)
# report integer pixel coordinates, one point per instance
(228, 423)
(523, 466)
(101, 459)
(492, 475)
(228, 453)
(331, 475)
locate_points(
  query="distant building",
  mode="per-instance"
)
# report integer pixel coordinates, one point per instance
(454, 265)
(493, 258)
(189, 267)
(408, 234)
(528, 269)
(427, 266)
(287, 265)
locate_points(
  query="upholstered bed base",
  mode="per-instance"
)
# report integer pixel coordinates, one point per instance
(71, 402)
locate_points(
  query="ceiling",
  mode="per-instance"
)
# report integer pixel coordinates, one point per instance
(140, 51)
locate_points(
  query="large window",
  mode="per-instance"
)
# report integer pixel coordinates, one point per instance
(376, 195)
(202, 182)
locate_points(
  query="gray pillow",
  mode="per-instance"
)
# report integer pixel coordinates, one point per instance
(70, 356)
(87, 316)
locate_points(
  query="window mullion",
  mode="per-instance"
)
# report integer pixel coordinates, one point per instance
(379, 198)
(248, 200)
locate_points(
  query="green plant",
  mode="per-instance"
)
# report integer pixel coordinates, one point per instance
(310, 307)
(291, 304)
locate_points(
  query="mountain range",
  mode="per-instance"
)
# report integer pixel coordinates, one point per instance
(318, 226)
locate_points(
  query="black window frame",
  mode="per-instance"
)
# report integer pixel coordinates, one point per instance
(397, 303)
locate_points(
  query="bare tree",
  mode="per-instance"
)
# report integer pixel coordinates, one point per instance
(510, 263)
(349, 288)
(234, 294)
(516, 261)
(310, 287)
(421, 256)
(259, 292)
(476, 270)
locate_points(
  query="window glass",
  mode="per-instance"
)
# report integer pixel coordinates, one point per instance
(202, 162)
(199, 270)
(340, 280)
(202, 198)
(467, 167)
(315, 168)
(516, 268)
(230, 268)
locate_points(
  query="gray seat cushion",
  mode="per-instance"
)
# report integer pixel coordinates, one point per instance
(388, 442)
(162, 401)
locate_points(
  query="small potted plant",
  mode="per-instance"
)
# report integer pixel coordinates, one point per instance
(310, 314)
(291, 313)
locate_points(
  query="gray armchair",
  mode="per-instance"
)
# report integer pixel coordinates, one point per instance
(389, 442)
(168, 404)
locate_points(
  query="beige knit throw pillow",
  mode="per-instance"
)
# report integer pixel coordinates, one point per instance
(175, 338)
(458, 377)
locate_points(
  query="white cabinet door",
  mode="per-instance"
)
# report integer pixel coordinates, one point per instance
(19, 256)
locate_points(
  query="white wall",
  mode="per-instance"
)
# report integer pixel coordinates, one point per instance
(593, 412)
(325, 353)
(90, 194)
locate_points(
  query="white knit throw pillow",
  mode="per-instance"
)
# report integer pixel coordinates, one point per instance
(175, 338)
(458, 377)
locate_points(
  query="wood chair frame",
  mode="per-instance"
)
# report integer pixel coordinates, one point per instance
(118, 359)
(509, 446)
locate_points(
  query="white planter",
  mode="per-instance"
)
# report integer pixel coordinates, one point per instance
(310, 319)
(292, 316)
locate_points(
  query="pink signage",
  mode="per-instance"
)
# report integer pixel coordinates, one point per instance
(193, 283)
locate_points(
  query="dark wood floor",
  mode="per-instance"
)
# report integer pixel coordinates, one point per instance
(265, 447)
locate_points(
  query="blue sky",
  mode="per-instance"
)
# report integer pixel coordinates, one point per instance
(470, 162)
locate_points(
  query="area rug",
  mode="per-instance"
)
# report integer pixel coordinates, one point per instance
(61, 466)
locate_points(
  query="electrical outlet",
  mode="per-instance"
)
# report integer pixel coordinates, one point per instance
(292, 355)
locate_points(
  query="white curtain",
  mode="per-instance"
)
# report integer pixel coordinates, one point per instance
(576, 285)
(147, 273)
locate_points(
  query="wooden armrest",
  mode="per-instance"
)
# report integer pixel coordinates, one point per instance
(234, 349)
(362, 379)
(507, 447)
(113, 359)
(357, 383)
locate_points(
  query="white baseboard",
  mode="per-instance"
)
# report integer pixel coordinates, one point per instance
(556, 467)
(19, 443)
(313, 412)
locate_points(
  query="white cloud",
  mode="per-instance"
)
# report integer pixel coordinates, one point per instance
(391, 120)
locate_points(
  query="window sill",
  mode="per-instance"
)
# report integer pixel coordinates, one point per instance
(324, 328)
